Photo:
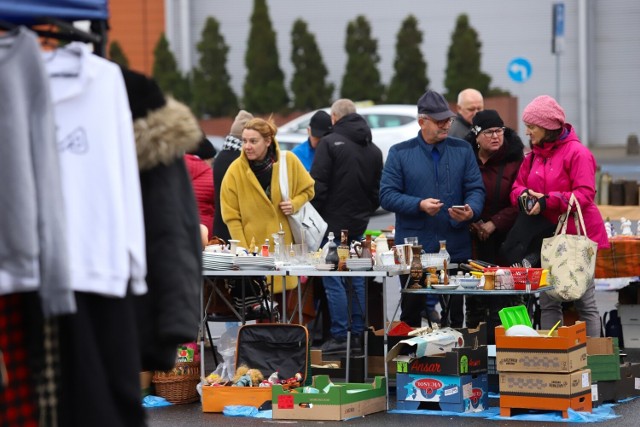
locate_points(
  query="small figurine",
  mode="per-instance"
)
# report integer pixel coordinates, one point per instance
(608, 229)
(246, 377)
(625, 227)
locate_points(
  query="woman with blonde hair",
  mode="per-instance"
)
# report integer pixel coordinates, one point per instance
(251, 201)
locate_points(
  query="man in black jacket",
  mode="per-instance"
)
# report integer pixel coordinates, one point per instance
(347, 170)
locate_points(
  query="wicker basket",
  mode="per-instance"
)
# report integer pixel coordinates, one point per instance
(179, 384)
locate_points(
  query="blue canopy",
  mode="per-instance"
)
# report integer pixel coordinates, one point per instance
(27, 11)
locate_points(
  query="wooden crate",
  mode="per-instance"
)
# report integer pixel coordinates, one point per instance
(577, 403)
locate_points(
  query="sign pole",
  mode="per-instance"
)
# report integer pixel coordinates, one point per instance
(557, 40)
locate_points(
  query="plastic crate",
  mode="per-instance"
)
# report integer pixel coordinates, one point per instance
(521, 276)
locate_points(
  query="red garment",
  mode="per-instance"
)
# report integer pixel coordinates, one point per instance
(18, 401)
(202, 181)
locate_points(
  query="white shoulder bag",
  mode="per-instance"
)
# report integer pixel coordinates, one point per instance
(307, 226)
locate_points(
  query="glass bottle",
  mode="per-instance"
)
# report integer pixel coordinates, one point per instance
(332, 252)
(446, 259)
(443, 253)
(343, 250)
(265, 248)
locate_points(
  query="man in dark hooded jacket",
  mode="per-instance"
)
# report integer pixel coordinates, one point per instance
(347, 170)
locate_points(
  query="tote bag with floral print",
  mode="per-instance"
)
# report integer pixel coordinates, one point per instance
(570, 259)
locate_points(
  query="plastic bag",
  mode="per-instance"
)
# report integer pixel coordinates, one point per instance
(155, 402)
(227, 349)
(240, 411)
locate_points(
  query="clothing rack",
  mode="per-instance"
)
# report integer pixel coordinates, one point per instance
(65, 31)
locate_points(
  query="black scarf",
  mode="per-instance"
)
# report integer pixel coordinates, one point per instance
(263, 170)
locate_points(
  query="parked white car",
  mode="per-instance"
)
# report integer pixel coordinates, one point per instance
(389, 124)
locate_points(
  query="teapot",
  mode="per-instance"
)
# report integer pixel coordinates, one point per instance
(363, 249)
(381, 247)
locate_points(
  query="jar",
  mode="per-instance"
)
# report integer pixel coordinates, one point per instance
(489, 280)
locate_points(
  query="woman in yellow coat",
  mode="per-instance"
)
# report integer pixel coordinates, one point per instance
(250, 197)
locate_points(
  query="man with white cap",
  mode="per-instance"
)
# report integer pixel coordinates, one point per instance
(423, 178)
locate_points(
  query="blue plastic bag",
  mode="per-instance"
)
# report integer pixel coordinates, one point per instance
(240, 411)
(155, 402)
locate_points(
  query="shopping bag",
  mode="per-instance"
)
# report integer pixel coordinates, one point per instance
(570, 259)
(307, 225)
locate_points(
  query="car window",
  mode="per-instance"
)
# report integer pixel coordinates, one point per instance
(387, 120)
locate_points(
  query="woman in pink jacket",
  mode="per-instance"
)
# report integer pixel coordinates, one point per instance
(557, 166)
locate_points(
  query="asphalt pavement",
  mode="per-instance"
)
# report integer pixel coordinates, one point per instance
(613, 161)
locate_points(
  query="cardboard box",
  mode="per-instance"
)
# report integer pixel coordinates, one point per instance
(603, 359)
(631, 334)
(376, 366)
(603, 392)
(341, 401)
(337, 368)
(375, 342)
(579, 403)
(458, 361)
(629, 383)
(215, 398)
(440, 342)
(467, 393)
(565, 351)
(545, 384)
(629, 314)
(145, 382)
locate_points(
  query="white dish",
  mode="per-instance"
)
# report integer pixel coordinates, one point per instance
(359, 267)
(444, 286)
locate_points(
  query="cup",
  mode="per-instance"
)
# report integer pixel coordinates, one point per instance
(387, 258)
(411, 241)
(233, 246)
(408, 254)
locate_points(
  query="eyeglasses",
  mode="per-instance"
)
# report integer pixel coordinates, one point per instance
(489, 132)
(440, 123)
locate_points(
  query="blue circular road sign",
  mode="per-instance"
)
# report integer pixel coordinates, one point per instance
(519, 69)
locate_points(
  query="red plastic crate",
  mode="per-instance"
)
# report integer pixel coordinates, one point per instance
(521, 275)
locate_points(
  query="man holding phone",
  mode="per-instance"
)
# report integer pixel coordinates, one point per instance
(433, 184)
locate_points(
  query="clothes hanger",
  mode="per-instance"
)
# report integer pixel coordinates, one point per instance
(66, 31)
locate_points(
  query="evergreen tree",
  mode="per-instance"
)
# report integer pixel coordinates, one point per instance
(308, 85)
(463, 66)
(212, 93)
(264, 90)
(361, 79)
(410, 80)
(116, 54)
(166, 72)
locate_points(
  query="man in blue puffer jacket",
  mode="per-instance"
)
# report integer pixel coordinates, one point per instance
(422, 179)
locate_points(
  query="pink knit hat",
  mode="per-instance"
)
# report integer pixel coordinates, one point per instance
(545, 112)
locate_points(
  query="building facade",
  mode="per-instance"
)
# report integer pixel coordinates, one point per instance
(594, 78)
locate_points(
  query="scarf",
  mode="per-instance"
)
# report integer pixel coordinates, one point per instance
(232, 143)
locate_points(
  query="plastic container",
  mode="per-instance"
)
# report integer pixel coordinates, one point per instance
(517, 315)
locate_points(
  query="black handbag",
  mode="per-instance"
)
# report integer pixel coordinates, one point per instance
(524, 240)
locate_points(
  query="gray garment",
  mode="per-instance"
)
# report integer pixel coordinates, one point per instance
(459, 128)
(587, 308)
(33, 248)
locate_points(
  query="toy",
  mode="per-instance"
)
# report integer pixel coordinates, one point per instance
(608, 228)
(273, 379)
(293, 382)
(246, 377)
(214, 379)
(625, 225)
